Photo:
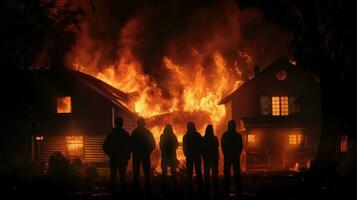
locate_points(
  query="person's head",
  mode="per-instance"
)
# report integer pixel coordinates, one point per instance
(232, 125)
(118, 122)
(141, 122)
(168, 129)
(191, 127)
(209, 130)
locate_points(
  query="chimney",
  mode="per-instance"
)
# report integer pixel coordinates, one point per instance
(256, 70)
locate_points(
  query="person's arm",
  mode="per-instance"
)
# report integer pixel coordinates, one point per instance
(223, 145)
(176, 142)
(161, 143)
(184, 146)
(151, 142)
(240, 143)
(216, 143)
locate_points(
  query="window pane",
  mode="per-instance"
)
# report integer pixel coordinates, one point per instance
(292, 139)
(251, 138)
(64, 104)
(275, 106)
(284, 100)
(74, 146)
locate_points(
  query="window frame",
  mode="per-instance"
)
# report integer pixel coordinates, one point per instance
(280, 105)
(62, 99)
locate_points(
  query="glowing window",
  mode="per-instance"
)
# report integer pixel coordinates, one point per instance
(281, 75)
(344, 144)
(74, 146)
(280, 105)
(64, 104)
(251, 138)
(295, 139)
(275, 106)
(284, 105)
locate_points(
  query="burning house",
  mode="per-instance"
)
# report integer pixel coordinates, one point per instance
(278, 111)
(65, 111)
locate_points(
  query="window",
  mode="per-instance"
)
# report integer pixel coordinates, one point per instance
(281, 75)
(64, 104)
(295, 139)
(280, 105)
(251, 138)
(344, 144)
(74, 146)
(275, 106)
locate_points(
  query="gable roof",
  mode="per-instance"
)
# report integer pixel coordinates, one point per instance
(281, 62)
(114, 95)
(44, 82)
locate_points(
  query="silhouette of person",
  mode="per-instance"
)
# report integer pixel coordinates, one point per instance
(210, 158)
(143, 143)
(117, 147)
(192, 149)
(168, 146)
(232, 148)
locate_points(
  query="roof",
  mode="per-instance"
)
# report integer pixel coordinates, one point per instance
(276, 64)
(114, 95)
(44, 82)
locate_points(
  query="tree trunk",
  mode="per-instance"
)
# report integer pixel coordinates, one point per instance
(324, 166)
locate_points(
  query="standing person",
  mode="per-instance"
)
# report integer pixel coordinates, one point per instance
(192, 149)
(143, 143)
(210, 158)
(168, 146)
(232, 148)
(117, 147)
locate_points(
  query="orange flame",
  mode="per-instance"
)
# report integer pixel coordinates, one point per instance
(193, 87)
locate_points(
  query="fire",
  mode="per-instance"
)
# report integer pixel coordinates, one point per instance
(64, 105)
(186, 86)
(201, 93)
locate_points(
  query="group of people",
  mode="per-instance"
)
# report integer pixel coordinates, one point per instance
(119, 146)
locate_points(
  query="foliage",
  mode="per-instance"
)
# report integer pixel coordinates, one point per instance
(37, 34)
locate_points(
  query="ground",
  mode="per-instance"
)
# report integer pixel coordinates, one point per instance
(262, 185)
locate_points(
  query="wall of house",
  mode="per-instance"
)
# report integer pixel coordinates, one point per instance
(274, 142)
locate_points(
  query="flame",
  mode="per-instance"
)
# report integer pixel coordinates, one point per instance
(64, 104)
(190, 88)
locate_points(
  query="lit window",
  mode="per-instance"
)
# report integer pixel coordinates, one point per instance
(74, 146)
(280, 105)
(251, 138)
(284, 103)
(64, 105)
(344, 143)
(281, 75)
(295, 139)
(275, 106)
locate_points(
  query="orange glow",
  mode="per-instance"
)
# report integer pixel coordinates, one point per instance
(39, 138)
(64, 104)
(344, 144)
(200, 92)
(280, 105)
(295, 139)
(185, 84)
(74, 146)
(251, 138)
(275, 106)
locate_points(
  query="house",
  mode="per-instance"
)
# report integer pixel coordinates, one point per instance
(278, 114)
(65, 111)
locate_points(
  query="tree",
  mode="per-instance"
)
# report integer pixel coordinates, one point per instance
(322, 40)
(37, 34)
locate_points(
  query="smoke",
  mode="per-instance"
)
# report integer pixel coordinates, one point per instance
(175, 55)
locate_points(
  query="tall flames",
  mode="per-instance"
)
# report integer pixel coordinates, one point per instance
(193, 72)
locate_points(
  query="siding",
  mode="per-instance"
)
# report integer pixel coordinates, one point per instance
(93, 152)
(50, 144)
